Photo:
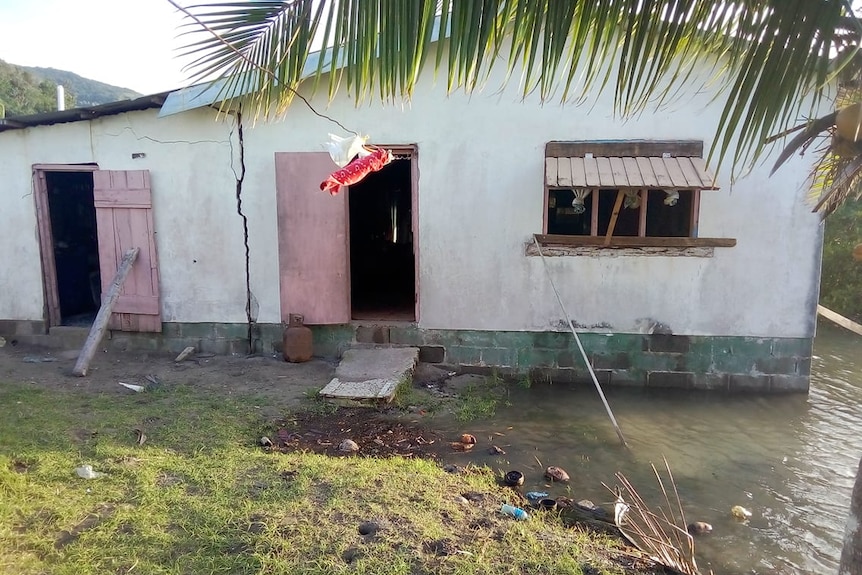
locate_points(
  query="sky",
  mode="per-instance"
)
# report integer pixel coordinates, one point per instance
(127, 43)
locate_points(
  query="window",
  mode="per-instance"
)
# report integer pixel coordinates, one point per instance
(625, 193)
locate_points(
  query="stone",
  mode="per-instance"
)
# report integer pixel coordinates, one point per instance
(429, 375)
(452, 468)
(368, 528)
(348, 446)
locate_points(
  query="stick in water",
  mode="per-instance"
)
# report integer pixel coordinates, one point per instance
(580, 346)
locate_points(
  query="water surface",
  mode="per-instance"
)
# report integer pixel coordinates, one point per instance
(790, 459)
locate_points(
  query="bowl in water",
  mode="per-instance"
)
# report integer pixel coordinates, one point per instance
(513, 478)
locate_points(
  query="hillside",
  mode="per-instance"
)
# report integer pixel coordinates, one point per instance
(26, 90)
(87, 92)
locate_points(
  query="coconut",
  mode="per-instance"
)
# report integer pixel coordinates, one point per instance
(848, 122)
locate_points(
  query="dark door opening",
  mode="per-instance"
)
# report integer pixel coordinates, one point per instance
(382, 263)
(76, 247)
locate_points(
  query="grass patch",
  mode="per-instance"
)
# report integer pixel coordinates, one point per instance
(199, 496)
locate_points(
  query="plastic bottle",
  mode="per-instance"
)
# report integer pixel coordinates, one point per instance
(515, 512)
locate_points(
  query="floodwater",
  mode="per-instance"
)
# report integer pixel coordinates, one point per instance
(791, 460)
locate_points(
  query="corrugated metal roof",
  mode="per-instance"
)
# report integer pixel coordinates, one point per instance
(630, 172)
(79, 114)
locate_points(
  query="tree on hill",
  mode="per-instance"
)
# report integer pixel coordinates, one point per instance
(22, 94)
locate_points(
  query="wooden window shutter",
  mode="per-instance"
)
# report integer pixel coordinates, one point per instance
(313, 255)
(124, 220)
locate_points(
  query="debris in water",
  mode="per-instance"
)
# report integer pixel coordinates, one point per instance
(740, 512)
(554, 473)
(468, 439)
(458, 446)
(535, 496)
(494, 450)
(699, 528)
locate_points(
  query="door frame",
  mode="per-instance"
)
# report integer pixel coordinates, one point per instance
(413, 151)
(50, 291)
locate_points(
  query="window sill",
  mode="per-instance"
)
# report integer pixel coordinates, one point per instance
(553, 245)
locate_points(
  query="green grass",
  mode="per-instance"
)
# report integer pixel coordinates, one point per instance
(201, 497)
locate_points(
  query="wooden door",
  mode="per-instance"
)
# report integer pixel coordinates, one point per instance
(124, 220)
(313, 255)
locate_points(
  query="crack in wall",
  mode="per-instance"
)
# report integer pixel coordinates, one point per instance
(250, 300)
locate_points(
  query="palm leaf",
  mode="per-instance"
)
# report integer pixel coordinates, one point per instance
(773, 55)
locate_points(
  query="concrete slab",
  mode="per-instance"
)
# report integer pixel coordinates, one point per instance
(372, 374)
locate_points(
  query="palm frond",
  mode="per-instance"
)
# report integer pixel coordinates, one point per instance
(803, 139)
(837, 177)
(774, 54)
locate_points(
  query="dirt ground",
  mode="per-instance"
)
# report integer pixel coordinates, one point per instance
(283, 385)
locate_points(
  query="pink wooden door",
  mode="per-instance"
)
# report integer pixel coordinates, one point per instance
(313, 251)
(124, 220)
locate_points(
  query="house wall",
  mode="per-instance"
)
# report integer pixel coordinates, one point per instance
(481, 162)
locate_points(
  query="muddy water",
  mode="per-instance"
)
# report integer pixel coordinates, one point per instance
(791, 460)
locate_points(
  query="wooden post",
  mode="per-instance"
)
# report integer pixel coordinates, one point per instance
(101, 322)
(613, 224)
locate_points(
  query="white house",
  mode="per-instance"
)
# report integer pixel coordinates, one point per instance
(716, 291)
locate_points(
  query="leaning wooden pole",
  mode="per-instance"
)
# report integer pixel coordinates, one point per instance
(839, 319)
(581, 347)
(97, 332)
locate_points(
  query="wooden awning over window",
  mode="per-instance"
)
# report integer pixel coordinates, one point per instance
(681, 172)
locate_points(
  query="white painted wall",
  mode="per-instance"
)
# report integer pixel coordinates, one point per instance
(480, 199)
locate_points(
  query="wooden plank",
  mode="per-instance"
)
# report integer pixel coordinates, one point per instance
(564, 173)
(621, 148)
(97, 331)
(137, 304)
(579, 176)
(695, 213)
(662, 177)
(313, 252)
(839, 319)
(551, 172)
(606, 174)
(633, 172)
(647, 174)
(618, 170)
(124, 197)
(613, 223)
(705, 176)
(636, 242)
(594, 216)
(674, 172)
(591, 173)
(644, 194)
(692, 179)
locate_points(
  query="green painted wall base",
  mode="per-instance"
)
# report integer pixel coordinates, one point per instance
(748, 364)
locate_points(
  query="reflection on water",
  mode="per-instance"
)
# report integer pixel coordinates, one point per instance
(791, 460)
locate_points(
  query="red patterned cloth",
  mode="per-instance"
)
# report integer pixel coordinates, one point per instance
(356, 170)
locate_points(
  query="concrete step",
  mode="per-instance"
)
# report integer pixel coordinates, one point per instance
(372, 374)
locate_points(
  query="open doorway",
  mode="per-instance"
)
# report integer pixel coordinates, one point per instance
(382, 258)
(74, 247)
